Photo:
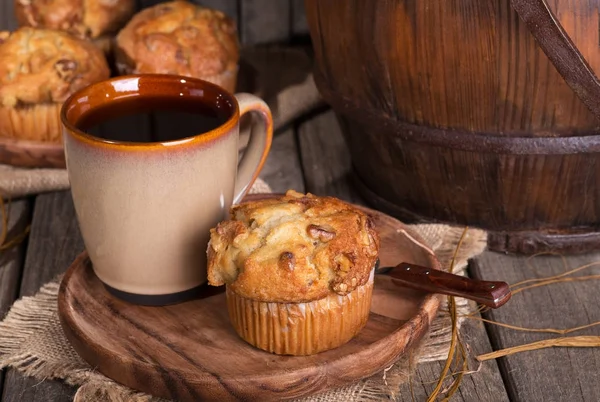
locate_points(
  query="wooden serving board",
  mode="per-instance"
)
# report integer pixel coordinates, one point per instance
(190, 352)
(31, 154)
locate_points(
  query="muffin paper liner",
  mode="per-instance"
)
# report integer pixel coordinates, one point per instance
(301, 328)
(32, 122)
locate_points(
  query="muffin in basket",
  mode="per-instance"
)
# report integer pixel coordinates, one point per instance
(97, 20)
(298, 271)
(39, 69)
(180, 38)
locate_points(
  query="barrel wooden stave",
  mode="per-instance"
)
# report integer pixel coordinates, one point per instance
(492, 190)
(417, 85)
(465, 64)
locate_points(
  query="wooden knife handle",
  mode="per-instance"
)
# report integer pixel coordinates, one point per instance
(491, 294)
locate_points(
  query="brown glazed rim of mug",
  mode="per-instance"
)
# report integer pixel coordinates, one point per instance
(74, 102)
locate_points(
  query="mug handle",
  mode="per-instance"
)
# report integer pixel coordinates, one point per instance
(259, 144)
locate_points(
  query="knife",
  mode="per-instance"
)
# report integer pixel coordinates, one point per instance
(488, 293)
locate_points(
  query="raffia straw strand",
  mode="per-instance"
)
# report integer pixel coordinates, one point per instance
(457, 381)
(4, 244)
(16, 241)
(573, 341)
(542, 330)
(453, 317)
(573, 271)
(561, 280)
(464, 366)
(454, 374)
(542, 253)
(451, 351)
(425, 246)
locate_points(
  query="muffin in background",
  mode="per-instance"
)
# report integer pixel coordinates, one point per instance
(298, 271)
(39, 69)
(180, 38)
(97, 20)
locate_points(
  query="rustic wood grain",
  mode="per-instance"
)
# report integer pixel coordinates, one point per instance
(556, 374)
(11, 261)
(197, 355)
(560, 49)
(229, 7)
(298, 18)
(425, 56)
(326, 165)
(32, 390)
(54, 241)
(325, 158)
(484, 385)
(282, 169)
(53, 244)
(459, 115)
(264, 21)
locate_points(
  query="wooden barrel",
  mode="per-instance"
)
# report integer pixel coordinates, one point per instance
(480, 113)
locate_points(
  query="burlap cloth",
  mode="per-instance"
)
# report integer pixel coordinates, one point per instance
(31, 338)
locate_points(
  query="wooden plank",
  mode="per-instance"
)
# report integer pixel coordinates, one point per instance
(11, 260)
(325, 158)
(326, 165)
(298, 18)
(229, 7)
(31, 390)
(54, 241)
(53, 244)
(264, 21)
(484, 385)
(8, 20)
(282, 169)
(555, 374)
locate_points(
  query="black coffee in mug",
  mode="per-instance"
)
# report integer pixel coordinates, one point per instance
(156, 119)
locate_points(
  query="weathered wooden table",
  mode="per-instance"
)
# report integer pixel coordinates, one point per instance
(311, 157)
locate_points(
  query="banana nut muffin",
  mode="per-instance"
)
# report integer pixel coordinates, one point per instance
(181, 38)
(97, 20)
(39, 69)
(298, 271)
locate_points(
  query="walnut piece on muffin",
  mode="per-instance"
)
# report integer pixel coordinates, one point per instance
(178, 37)
(39, 69)
(293, 249)
(91, 19)
(298, 271)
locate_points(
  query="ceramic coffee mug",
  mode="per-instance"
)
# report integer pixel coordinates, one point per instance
(144, 206)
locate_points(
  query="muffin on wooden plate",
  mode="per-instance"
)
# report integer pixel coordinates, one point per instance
(298, 271)
(97, 20)
(180, 38)
(39, 69)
